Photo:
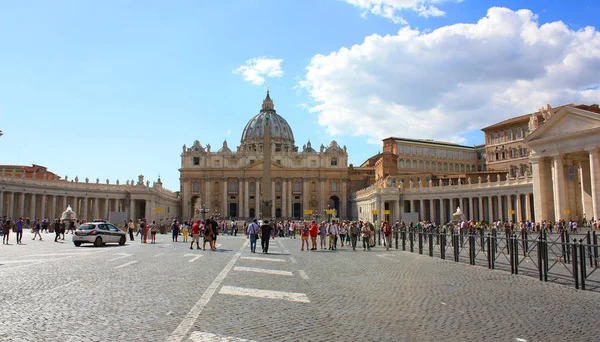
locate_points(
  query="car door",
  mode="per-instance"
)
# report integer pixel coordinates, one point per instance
(115, 232)
(105, 233)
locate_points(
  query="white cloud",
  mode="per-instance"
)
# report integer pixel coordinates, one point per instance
(256, 69)
(392, 9)
(454, 79)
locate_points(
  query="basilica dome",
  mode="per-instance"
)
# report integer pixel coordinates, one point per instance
(280, 129)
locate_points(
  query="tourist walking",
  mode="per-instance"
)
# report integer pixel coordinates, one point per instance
(304, 236)
(63, 228)
(332, 231)
(195, 235)
(19, 230)
(342, 234)
(208, 234)
(313, 232)
(265, 234)
(387, 235)
(323, 235)
(153, 231)
(8, 226)
(36, 229)
(185, 231)
(130, 228)
(56, 230)
(215, 230)
(366, 236)
(175, 231)
(353, 233)
(252, 234)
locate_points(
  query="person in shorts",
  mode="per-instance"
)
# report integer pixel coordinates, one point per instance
(195, 235)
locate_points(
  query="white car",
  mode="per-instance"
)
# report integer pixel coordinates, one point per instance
(98, 233)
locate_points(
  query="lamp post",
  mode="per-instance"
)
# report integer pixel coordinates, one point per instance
(203, 210)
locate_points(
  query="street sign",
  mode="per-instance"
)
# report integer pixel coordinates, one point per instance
(308, 212)
(158, 210)
(330, 211)
(511, 212)
(386, 212)
(567, 211)
(375, 212)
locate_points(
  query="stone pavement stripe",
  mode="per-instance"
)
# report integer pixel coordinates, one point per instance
(201, 336)
(257, 293)
(303, 274)
(262, 270)
(195, 257)
(285, 250)
(127, 264)
(263, 259)
(20, 261)
(122, 255)
(62, 254)
(293, 260)
(39, 262)
(159, 254)
(179, 333)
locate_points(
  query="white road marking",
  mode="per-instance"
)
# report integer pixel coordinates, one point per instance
(293, 260)
(201, 336)
(444, 303)
(127, 264)
(61, 254)
(32, 262)
(179, 333)
(285, 250)
(170, 312)
(520, 339)
(303, 274)
(262, 270)
(263, 259)
(122, 255)
(159, 254)
(257, 293)
(195, 257)
(20, 261)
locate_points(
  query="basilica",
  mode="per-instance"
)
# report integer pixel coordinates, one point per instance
(306, 182)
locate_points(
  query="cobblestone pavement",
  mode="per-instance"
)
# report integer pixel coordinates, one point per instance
(167, 292)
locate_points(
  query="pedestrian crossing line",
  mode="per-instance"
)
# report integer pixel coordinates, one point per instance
(293, 260)
(303, 274)
(268, 294)
(127, 264)
(263, 259)
(262, 270)
(201, 336)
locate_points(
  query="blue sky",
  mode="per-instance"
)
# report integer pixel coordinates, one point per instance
(114, 89)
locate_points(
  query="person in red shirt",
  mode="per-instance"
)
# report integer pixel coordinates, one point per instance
(313, 232)
(195, 235)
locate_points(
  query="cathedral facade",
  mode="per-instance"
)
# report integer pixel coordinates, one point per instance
(305, 182)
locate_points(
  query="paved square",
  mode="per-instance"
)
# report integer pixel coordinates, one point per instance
(167, 292)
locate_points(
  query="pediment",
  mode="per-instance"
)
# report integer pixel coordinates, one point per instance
(258, 166)
(567, 122)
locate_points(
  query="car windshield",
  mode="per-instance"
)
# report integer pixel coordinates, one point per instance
(86, 227)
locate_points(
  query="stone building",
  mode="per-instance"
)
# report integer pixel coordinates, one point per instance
(45, 194)
(305, 181)
(538, 166)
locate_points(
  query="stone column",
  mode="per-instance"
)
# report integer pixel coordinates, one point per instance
(595, 182)
(397, 210)
(304, 196)
(526, 209)
(490, 210)
(272, 199)
(431, 213)
(96, 213)
(33, 205)
(501, 208)
(224, 206)
(322, 202)
(241, 198)
(64, 206)
(43, 208)
(247, 200)
(207, 197)
(343, 201)
(558, 181)
(131, 211)
(518, 208)
(22, 204)
(421, 210)
(2, 194)
(443, 216)
(284, 198)
(11, 206)
(480, 208)
(586, 190)
(54, 213)
(257, 199)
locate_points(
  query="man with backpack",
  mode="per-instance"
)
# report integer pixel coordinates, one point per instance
(354, 231)
(252, 234)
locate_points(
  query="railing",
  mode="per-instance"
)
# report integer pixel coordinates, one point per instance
(567, 258)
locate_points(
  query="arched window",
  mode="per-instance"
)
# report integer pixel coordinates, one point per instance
(297, 186)
(252, 187)
(439, 166)
(401, 164)
(414, 164)
(421, 165)
(433, 166)
(451, 167)
(334, 187)
(468, 168)
(233, 186)
(427, 165)
(196, 187)
(462, 167)
(445, 166)
(334, 161)
(408, 164)
(456, 167)
(313, 186)
(278, 186)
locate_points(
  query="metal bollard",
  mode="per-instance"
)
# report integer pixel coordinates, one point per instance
(540, 257)
(396, 238)
(589, 247)
(511, 245)
(412, 241)
(582, 261)
(489, 251)
(575, 270)
(403, 233)
(516, 250)
(443, 246)
(595, 240)
(430, 244)
(420, 242)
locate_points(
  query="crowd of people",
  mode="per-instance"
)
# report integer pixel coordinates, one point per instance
(38, 226)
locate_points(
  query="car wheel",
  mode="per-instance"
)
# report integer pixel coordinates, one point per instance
(98, 242)
(122, 241)
(77, 243)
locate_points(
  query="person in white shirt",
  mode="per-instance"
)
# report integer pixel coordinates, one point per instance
(332, 231)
